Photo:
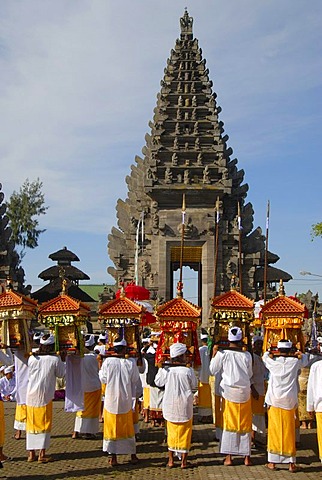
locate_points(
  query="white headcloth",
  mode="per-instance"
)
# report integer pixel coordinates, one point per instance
(177, 349)
(235, 334)
(283, 344)
(47, 341)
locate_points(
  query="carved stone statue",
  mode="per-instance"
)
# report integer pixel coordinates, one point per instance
(179, 114)
(177, 129)
(194, 101)
(176, 143)
(199, 159)
(174, 159)
(205, 177)
(180, 101)
(186, 179)
(196, 129)
(168, 175)
(197, 143)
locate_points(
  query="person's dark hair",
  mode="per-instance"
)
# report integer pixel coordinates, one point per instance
(46, 348)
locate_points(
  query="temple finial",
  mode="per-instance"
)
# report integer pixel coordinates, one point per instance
(186, 23)
(281, 291)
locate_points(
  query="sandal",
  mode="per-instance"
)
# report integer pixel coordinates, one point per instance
(45, 459)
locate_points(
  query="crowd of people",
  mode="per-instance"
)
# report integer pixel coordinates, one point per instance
(244, 394)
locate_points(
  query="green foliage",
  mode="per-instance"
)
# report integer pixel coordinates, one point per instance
(316, 230)
(23, 210)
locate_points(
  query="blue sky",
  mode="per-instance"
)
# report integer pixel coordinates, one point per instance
(78, 88)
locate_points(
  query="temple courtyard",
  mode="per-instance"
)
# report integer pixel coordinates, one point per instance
(80, 458)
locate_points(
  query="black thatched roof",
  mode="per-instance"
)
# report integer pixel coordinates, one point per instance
(69, 272)
(54, 288)
(64, 255)
(273, 275)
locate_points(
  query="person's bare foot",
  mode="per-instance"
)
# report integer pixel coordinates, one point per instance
(134, 459)
(248, 461)
(228, 461)
(270, 466)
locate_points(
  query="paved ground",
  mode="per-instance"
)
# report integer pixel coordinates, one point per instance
(80, 459)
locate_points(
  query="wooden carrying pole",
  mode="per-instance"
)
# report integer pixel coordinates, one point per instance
(266, 254)
(182, 237)
(240, 272)
(216, 244)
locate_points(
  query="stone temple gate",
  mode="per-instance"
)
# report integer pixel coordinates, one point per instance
(186, 152)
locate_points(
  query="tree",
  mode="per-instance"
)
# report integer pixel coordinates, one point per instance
(23, 210)
(316, 230)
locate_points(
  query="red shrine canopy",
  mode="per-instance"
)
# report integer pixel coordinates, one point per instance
(134, 292)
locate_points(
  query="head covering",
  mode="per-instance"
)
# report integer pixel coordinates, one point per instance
(99, 349)
(319, 339)
(7, 370)
(177, 349)
(145, 340)
(37, 335)
(203, 336)
(2, 368)
(120, 343)
(102, 336)
(89, 340)
(235, 334)
(284, 344)
(151, 350)
(47, 341)
(257, 338)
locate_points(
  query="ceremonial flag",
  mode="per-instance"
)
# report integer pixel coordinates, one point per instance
(267, 216)
(183, 208)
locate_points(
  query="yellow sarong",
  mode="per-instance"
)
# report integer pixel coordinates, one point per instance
(179, 436)
(2, 424)
(318, 416)
(146, 397)
(219, 412)
(281, 432)
(39, 419)
(92, 405)
(258, 405)
(21, 413)
(204, 395)
(118, 426)
(237, 417)
(136, 413)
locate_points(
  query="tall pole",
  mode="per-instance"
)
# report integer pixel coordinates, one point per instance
(216, 244)
(240, 273)
(180, 285)
(266, 253)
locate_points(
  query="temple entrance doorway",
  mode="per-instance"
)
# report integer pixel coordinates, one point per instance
(191, 273)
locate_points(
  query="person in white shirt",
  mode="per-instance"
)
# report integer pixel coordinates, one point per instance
(260, 374)
(120, 376)
(8, 385)
(7, 359)
(282, 399)
(235, 367)
(43, 368)
(179, 382)
(314, 399)
(87, 420)
(204, 392)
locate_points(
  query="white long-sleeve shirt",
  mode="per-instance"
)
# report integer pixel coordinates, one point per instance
(177, 404)
(205, 361)
(236, 371)
(259, 374)
(91, 381)
(21, 371)
(314, 388)
(42, 373)
(282, 391)
(120, 376)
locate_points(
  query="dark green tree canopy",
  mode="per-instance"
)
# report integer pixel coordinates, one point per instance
(23, 209)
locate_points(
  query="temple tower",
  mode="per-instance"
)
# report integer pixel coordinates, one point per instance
(185, 152)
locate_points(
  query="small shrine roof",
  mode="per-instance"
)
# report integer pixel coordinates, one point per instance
(70, 272)
(64, 254)
(232, 300)
(14, 300)
(283, 305)
(178, 308)
(64, 304)
(121, 307)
